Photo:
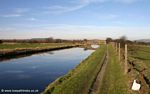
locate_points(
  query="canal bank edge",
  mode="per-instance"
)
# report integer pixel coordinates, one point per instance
(13, 53)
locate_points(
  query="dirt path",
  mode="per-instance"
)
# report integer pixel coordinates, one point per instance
(97, 83)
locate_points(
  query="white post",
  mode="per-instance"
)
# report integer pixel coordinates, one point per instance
(126, 65)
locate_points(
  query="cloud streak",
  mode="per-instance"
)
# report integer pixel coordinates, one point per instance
(107, 16)
(17, 12)
(32, 19)
(127, 1)
(11, 15)
(21, 10)
(58, 9)
(103, 1)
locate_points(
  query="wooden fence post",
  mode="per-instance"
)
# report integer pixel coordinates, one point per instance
(116, 46)
(126, 62)
(119, 51)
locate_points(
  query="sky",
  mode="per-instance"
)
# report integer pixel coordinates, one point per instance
(74, 19)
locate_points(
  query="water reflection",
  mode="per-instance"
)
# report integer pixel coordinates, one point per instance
(38, 70)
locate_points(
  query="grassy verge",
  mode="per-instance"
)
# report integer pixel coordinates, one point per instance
(80, 79)
(139, 60)
(114, 81)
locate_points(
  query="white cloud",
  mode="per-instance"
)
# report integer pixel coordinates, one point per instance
(11, 15)
(63, 9)
(126, 1)
(107, 16)
(103, 1)
(32, 19)
(81, 4)
(21, 10)
(93, 1)
(17, 12)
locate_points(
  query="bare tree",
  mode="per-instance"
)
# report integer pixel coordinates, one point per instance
(122, 40)
(1, 41)
(109, 40)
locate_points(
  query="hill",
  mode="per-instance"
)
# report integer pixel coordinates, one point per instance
(144, 40)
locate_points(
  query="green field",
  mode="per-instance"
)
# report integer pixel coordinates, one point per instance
(114, 81)
(12, 46)
(80, 79)
(12, 50)
(139, 58)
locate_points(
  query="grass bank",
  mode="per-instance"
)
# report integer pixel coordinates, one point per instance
(139, 63)
(7, 50)
(114, 81)
(80, 79)
(12, 46)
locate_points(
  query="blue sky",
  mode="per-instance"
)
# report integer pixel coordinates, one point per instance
(74, 19)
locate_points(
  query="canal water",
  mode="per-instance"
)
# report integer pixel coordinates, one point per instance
(35, 72)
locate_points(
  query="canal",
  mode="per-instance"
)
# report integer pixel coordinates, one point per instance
(35, 72)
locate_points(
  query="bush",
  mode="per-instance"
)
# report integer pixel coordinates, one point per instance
(1, 41)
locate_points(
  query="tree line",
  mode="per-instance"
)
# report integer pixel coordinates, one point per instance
(42, 40)
(123, 40)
